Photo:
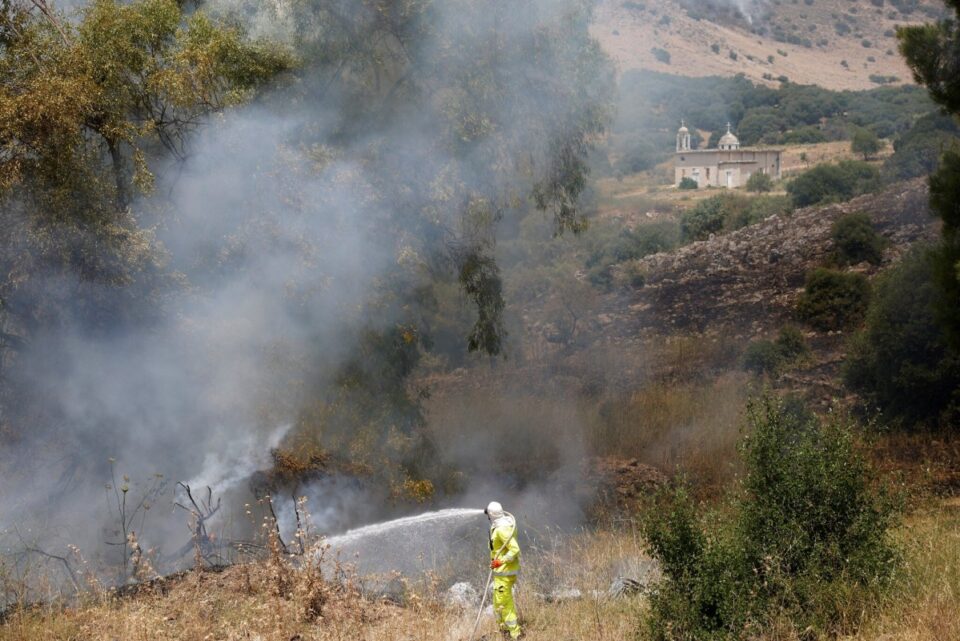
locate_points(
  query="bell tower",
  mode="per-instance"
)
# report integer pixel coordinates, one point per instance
(683, 137)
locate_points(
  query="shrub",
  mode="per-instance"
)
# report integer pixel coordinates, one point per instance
(831, 183)
(807, 135)
(757, 209)
(762, 357)
(770, 357)
(855, 240)
(688, 183)
(729, 211)
(804, 539)
(661, 55)
(833, 300)
(759, 182)
(900, 362)
(791, 343)
(708, 216)
(629, 245)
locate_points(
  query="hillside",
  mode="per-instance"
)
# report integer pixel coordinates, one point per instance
(838, 45)
(746, 282)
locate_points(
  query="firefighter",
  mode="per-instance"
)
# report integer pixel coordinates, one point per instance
(505, 563)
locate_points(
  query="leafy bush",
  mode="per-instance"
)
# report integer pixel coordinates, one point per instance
(832, 183)
(855, 240)
(807, 135)
(769, 357)
(900, 362)
(688, 183)
(805, 537)
(917, 152)
(727, 212)
(833, 300)
(629, 245)
(759, 182)
(706, 217)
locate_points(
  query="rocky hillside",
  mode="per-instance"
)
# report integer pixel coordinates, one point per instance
(747, 281)
(838, 45)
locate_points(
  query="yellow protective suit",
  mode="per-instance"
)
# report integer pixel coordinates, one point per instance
(504, 546)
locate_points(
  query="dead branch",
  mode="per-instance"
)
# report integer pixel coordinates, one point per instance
(201, 512)
(52, 19)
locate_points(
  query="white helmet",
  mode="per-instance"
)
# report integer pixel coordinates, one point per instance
(494, 510)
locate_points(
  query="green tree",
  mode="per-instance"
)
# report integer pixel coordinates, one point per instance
(506, 139)
(917, 152)
(82, 108)
(900, 361)
(760, 182)
(932, 52)
(866, 143)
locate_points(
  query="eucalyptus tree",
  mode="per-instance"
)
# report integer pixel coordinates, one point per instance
(87, 106)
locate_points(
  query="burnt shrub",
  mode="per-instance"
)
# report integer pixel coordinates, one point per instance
(833, 300)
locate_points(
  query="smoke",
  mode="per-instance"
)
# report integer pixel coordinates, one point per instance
(280, 250)
(727, 11)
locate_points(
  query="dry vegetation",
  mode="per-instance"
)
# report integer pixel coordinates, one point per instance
(273, 601)
(621, 26)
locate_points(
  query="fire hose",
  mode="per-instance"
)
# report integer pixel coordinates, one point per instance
(483, 599)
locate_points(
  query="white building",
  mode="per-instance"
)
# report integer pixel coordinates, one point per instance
(726, 166)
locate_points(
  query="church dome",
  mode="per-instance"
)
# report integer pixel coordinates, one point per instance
(728, 140)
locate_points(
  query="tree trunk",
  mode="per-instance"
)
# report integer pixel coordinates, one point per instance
(123, 191)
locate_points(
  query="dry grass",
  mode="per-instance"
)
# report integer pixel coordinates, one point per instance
(925, 604)
(276, 603)
(687, 426)
(273, 603)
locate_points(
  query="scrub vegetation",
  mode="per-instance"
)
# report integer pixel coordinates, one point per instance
(803, 542)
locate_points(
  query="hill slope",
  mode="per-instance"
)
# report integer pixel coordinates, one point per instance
(832, 44)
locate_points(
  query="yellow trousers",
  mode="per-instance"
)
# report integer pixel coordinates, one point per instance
(503, 605)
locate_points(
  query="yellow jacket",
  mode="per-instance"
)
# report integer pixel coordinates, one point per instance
(504, 546)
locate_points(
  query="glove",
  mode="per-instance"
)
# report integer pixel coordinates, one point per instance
(495, 564)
